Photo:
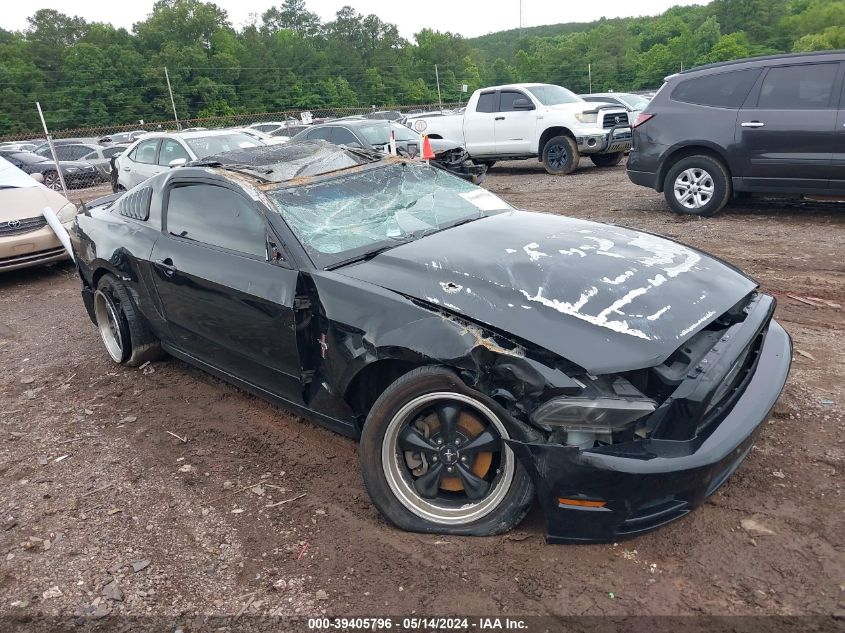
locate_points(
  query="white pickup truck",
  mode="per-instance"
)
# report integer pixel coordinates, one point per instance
(540, 121)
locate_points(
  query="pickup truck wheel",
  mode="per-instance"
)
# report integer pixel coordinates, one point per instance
(125, 333)
(560, 156)
(607, 160)
(434, 460)
(697, 185)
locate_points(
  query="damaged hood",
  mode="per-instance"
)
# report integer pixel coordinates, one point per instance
(607, 298)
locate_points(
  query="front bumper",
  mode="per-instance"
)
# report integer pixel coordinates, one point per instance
(602, 141)
(650, 483)
(31, 249)
(82, 179)
(463, 168)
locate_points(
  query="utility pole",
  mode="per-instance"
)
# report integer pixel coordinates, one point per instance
(520, 19)
(172, 102)
(439, 98)
(590, 73)
(52, 149)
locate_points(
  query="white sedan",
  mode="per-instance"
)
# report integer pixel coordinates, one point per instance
(155, 153)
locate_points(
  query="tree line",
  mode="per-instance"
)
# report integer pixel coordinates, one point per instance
(93, 74)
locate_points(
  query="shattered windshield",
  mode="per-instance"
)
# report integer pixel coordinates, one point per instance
(350, 217)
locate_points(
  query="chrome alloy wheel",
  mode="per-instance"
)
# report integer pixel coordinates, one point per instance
(109, 325)
(445, 460)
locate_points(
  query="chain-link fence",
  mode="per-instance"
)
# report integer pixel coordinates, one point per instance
(289, 118)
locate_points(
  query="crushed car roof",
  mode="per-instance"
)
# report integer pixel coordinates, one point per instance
(280, 163)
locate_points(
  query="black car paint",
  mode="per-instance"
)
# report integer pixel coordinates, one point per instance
(325, 342)
(795, 152)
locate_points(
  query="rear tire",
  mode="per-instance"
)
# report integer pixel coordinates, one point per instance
(697, 185)
(607, 160)
(560, 155)
(486, 491)
(125, 333)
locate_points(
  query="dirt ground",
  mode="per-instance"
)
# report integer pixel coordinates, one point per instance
(167, 492)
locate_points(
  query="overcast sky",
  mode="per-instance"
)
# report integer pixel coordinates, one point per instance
(467, 17)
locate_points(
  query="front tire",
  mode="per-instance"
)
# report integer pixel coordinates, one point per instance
(124, 332)
(560, 155)
(607, 160)
(697, 185)
(433, 458)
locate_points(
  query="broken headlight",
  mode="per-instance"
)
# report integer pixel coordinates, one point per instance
(591, 415)
(67, 213)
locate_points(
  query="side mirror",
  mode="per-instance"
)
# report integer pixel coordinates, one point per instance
(413, 150)
(522, 104)
(37, 177)
(177, 162)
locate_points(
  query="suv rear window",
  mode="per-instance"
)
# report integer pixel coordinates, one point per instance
(723, 90)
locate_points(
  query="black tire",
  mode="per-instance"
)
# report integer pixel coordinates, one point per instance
(607, 160)
(697, 185)
(52, 181)
(136, 343)
(509, 491)
(560, 155)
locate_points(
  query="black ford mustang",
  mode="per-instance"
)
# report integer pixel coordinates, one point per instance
(483, 355)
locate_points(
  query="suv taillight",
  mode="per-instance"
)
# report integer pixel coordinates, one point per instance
(642, 118)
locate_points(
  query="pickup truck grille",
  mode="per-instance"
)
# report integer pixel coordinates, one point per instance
(16, 227)
(619, 118)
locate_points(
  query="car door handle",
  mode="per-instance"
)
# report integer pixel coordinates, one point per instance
(499, 118)
(166, 265)
(752, 124)
(127, 169)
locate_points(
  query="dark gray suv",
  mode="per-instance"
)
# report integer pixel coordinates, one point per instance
(766, 125)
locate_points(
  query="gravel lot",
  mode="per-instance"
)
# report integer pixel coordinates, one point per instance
(127, 491)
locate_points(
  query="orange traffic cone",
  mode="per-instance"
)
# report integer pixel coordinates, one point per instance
(427, 153)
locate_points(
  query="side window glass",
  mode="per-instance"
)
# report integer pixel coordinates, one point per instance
(216, 216)
(802, 87)
(111, 151)
(507, 98)
(171, 150)
(486, 102)
(146, 152)
(722, 90)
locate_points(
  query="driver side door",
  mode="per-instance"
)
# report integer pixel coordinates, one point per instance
(227, 304)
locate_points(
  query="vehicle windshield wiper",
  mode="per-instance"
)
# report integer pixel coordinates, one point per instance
(370, 155)
(437, 229)
(369, 254)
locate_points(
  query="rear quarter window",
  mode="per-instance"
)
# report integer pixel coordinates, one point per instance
(486, 102)
(721, 90)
